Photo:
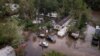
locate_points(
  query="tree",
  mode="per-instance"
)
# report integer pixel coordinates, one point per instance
(94, 4)
(5, 10)
(46, 6)
(27, 9)
(2, 8)
(80, 12)
(10, 33)
(82, 21)
(63, 8)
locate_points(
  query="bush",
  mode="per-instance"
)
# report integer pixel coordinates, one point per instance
(47, 25)
(28, 25)
(53, 53)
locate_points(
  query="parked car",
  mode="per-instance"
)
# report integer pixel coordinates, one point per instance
(75, 35)
(51, 38)
(43, 44)
(42, 35)
(95, 41)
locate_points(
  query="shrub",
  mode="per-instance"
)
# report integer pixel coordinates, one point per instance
(53, 53)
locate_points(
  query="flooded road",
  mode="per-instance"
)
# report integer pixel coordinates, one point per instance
(32, 49)
(66, 45)
(86, 46)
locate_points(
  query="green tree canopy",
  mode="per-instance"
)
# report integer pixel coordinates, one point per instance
(26, 9)
(94, 4)
(10, 33)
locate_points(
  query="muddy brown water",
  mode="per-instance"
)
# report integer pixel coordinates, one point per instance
(96, 17)
(67, 46)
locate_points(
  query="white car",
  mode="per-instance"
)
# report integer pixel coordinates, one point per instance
(44, 44)
(75, 35)
(41, 35)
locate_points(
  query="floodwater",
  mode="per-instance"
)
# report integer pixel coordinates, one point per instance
(71, 47)
(32, 49)
(96, 17)
(67, 45)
